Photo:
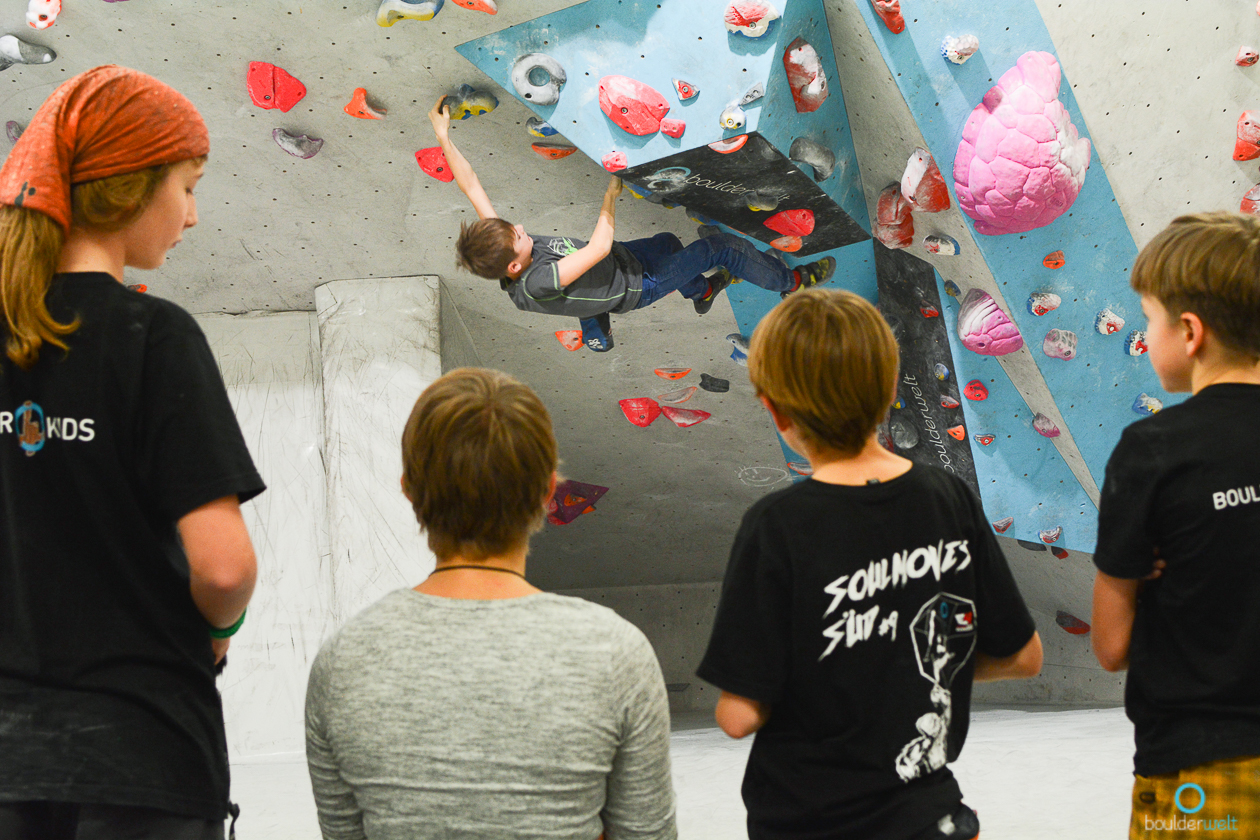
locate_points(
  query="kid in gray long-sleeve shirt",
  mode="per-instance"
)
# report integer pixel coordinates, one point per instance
(541, 716)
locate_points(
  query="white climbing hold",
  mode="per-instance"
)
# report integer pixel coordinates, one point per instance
(525, 79)
(958, 49)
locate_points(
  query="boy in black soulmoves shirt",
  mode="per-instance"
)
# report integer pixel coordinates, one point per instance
(1180, 508)
(860, 605)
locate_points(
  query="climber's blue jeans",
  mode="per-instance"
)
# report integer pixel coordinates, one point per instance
(668, 266)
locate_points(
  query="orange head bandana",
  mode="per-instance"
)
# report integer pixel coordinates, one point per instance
(107, 121)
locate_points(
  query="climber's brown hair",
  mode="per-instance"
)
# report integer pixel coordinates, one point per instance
(485, 248)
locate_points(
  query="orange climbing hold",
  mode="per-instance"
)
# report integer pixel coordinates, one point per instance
(571, 339)
(672, 372)
(957, 432)
(1053, 260)
(787, 243)
(487, 6)
(358, 107)
(730, 144)
(553, 151)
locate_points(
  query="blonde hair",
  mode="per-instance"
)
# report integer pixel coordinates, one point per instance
(1208, 264)
(828, 361)
(478, 455)
(30, 247)
(485, 248)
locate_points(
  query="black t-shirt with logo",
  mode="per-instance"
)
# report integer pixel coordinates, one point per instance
(1187, 481)
(107, 690)
(855, 612)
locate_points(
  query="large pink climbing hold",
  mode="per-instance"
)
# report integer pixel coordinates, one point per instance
(750, 17)
(634, 107)
(273, 87)
(614, 161)
(1247, 146)
(673, 128)
(684, 417)
(984, 328)
(805, 76)
(792, 222)
(923, 185)
(894, 224)
(434, 164)
(640, 411)
(1251, 201)
(1020, 164)
(889, 12)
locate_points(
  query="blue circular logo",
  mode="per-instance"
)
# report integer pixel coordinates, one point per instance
(28, 420)
(1182, 808)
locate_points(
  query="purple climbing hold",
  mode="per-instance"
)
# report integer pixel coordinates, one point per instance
(1060, 344)
(984, 328)
(1044, 426)
(298, 145)
(13, 130)
(571, 499)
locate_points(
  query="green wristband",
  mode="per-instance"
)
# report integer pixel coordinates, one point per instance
(226, 632)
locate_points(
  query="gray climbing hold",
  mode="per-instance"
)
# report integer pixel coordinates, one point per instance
(741, 343)
(13, 130)
(14, 50)
(762, 200)
(821, 159)
(714, 384)
(538, 78)
(754, 93)
(298, 145)
(904, 435)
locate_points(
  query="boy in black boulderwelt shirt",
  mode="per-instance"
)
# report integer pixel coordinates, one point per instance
(1180, 508)
(859, 605)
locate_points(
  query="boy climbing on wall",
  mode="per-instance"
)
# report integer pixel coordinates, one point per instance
(859, 605)
(559, 275)
(1177, 594)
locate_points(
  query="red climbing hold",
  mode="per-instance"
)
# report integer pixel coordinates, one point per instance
(1247, 146)
(674, 128)
(730, 144)
(571, 339)
(927, 310)
(684, 417)
(792, 222)
(672, 372)
(1061, 553)
(433, 162)
(1246, 56)
(572, 499)
(615, 161)
(1054, 259)
(889, 12)
(1251, 201)
(957, 432)
(984, 440)
(1003, 525)
(1050, 535)
(1071, 623)
(788, 244)
(640, 411)
(487, 6)
(923, 185)
(806, 78)
(975, 390)
(359, 108)
(949, 402)
(553, 151)
(894, 224)
(632, 105)
(272, 87)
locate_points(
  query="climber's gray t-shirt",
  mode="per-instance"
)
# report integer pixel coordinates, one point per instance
(542, 716)
(614, 284)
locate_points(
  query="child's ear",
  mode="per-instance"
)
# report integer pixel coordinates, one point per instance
(781, 422)
(1193, 332)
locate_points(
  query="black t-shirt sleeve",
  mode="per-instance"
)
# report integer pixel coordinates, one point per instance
(749, 651)
(1124, 547)
(1004, 624)
(191, 448)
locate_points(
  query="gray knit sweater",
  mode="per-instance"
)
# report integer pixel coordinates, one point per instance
(535, 717)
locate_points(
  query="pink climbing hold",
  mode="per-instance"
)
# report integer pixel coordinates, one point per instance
(923, 185)
(1070, 623)
(787, 244)
(1060, 344)
(1020, 163)
(1247, 146)
(984, 328)
(792, 222)
(805, 75)
(640, 411)
(1044, 426)
(1247, 56)
(889, 12)
(894, 224)
(750, 17)
(434, 164)
(1251, 201)
(684, 417)
(673, 128)
(633, 106)
(975, 390)
(615, 161)
(272, 87)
